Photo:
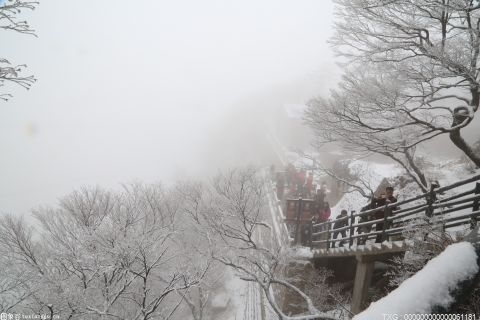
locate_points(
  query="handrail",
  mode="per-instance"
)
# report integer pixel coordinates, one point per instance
(394, 220)
(458, 183)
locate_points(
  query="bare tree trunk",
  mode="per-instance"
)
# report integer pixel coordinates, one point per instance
(50, 307)
(458, 140)
(459, 117)
(411, 161)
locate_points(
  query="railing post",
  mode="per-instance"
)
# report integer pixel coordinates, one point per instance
(328, 234)
(352, 222)
(297, 228)
(476, 207)
(431, 198)
(386, 210)
(310, 232)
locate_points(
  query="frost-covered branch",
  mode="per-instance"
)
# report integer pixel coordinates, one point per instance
(112, 254)
(10, 21)
(238, 207)
(414, 70)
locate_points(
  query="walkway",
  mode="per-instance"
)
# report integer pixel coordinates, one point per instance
(448, 208)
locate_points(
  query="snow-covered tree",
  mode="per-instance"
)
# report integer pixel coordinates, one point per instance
(19, 263)
(103, 255)
(198, 239)
(236, 215)
(412, 75)
(363, 115)
(327, 297)
(352, 177)
(145, 252)
(10, 11)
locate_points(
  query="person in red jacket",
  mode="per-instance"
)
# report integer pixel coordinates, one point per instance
(309, 185)
(322, 213)
(325, 215)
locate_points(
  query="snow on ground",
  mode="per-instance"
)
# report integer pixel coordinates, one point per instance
(238, 300)
(430, 287)
(374, 173)
(302, 253)
(229, 301)
(349, 202)
(241, 300)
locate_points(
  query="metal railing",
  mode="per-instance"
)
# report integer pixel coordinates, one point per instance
(450, 206)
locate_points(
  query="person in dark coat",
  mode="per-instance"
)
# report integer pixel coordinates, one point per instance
(384, 199)
(341, 221)
(365, 218)
(319, 202)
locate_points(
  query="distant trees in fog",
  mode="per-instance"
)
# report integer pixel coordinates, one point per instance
(145, 252)
(101, 254)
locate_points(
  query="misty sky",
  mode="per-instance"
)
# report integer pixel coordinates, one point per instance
(138, 90)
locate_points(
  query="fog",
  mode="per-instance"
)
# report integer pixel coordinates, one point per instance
(153, 90)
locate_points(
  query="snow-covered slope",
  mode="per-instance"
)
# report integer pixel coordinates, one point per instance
(430, 288)
(372, 172)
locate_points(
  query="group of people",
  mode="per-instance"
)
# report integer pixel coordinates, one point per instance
(380, 202)
(302, 185)
(298, 182)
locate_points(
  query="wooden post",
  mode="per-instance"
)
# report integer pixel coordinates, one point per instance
(431, 198)
(363, 277)
(310, 231)
(352, 222)
(299, 214)
(476, 207)
(328, 234)
(386, 210)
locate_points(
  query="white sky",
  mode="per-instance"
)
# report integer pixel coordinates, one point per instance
(133, 90)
